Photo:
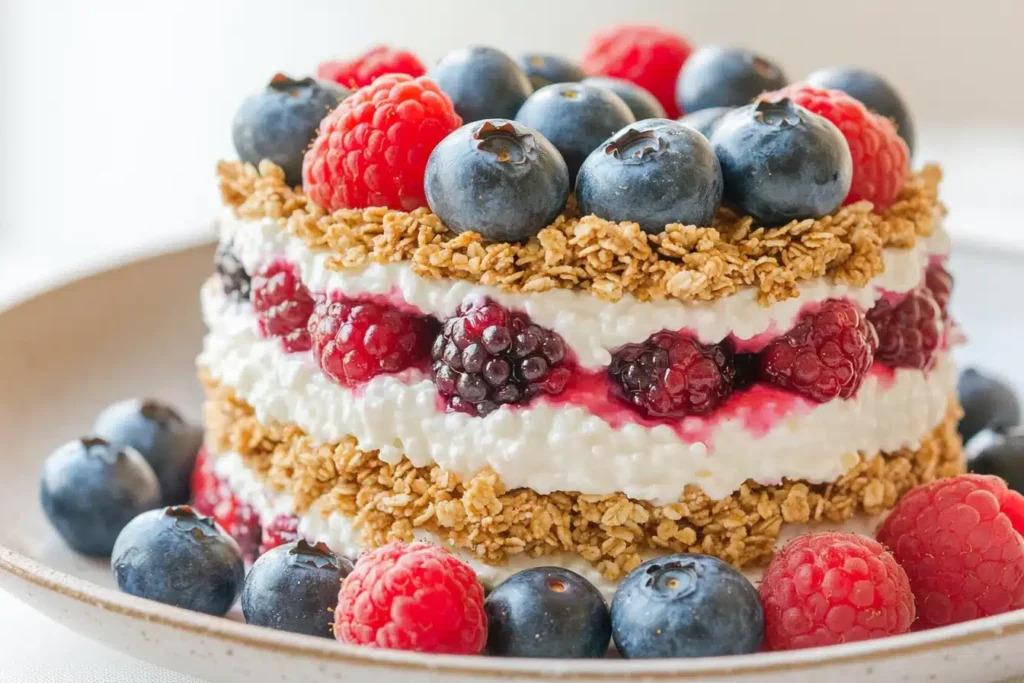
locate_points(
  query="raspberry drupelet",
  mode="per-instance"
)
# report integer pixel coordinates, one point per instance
(367, 67)
(282, 305)
(909, 332)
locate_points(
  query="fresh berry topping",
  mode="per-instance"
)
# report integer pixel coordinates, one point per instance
(482, 82)
(280, 121)
(91, 489)
(781, 162)
(653, 173)
(235, 282)
(547, 612)
(876, 93)
(1003, 457)
(959, 541)
(640, 101)
(718, 76)
(880, 157)
(364, 69)
(686, 605)
(240, 522)
(206, 487)
(156, 430)
(174, 556)
(671, 375)
(940, 283)
(833, 587)
(498, 178)
(354, 341)
(294, 587)
(649, 56)
(487, 356)
(544, 69)
(575, 118)
(988, 403)
(909, 332)
(705, 120)
(281, 529)
(282, 305)
(413, 596)
(827, 355)
(372, 150)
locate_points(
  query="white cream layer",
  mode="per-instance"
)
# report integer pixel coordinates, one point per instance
(591, 327)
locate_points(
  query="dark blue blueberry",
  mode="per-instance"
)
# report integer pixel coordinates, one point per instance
(575, 118)
(177, 557)
(482, 82)
(988, 403)
(874, 91)
(235, 282)
(781, 162)
(1002, 456)
(158, 432)
(294, 587)
(547, 612)
(653, 172)
(640, 101)
(717, 76)
(280, 121)
(91, 489)
(686, 605)
(544, 69)
(705, 120)
(497, 177)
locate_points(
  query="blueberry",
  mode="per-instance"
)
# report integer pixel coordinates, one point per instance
(177, 557)
(482, 82)
(544, 69)
(686, 605)
(158, 432)
(497, 177)
(294, 587)
(280, 121)
(781, 162)
(547, 612)
(654, 172)
(1003, 457)
(874, 91)
(717, 76)
(988, 403)
(90, 489)
(641, 102)
(705, 120)
(575, 118)
(235, 282)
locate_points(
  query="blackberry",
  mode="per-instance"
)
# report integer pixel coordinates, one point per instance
(236, 282)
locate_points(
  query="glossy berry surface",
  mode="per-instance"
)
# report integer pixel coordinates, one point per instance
(239, 520)
(909, 331)
(487, 356)
(547, 612)
(91, 489)
(640, 101)
(686, 605)
(716, 76)
(987, 402)
(282, 305)
(234, 281)
(177, 557)
(705, 120)
(367, 67)
(1004, 458)
(483, 83)
(544, 69)
(653, 172)
(499, 178)
(294, 587)
(939, 282)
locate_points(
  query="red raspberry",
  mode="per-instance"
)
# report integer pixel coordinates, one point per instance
(205, 485)
(908, 332)
(240, 521)
(880, 156)
(826, 355)
(960, 542)
(282, 305)
(354, 341)
(372, 149)
(649, 56)
(364, 69)
(282, 529)
(938, 280)
(412, 597)
(670, 375)
(833, 587)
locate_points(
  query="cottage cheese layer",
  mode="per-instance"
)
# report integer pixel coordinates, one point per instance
(593, 328)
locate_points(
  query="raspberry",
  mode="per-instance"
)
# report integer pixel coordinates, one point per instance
(649, 56)
(826, 355)
(412, 597)
(908, 332)
(372, 150)
(940, 283)
(833, 587)
(364, 69)
(240, 521)
(670, 375)
(282, 305)
(206, 486)
(354, 340)
(960, 542)
(282, 529)
(487, 356)
(880, 156)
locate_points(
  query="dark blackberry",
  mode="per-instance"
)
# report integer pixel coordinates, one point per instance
(233, 278)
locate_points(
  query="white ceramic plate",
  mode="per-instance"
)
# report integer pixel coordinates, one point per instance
(135, 331)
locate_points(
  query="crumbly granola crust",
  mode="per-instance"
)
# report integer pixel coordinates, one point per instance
(387, 502)
(609, 260)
